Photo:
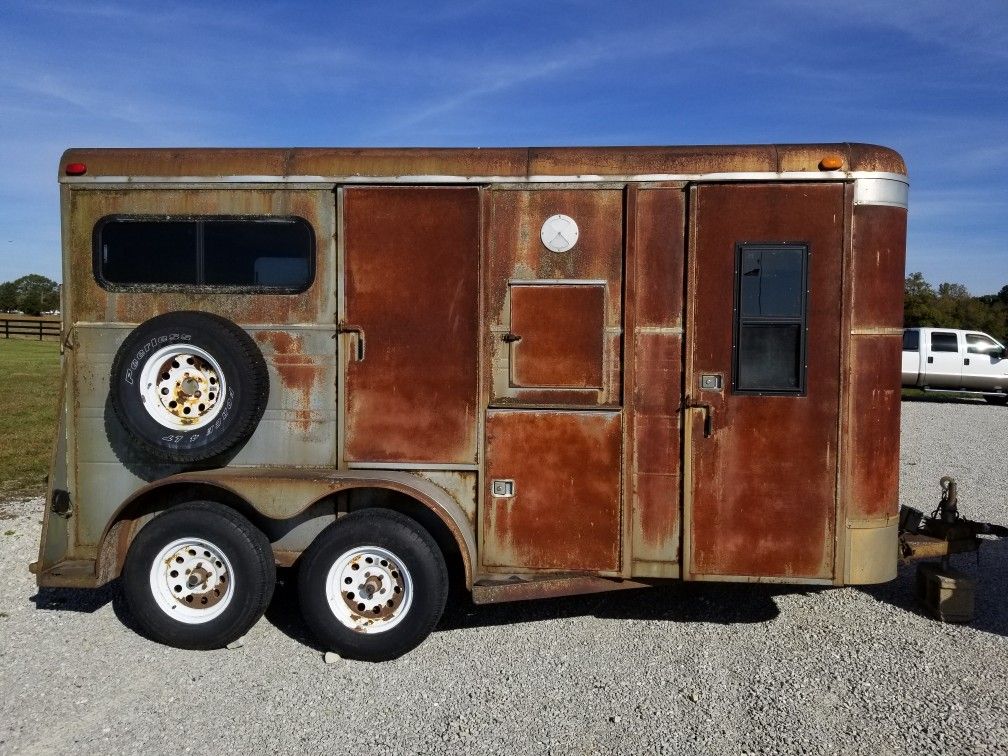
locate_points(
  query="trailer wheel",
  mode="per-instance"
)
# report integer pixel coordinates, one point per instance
(189, 386)
(198, 576)
(1001, 401)
(372, 585)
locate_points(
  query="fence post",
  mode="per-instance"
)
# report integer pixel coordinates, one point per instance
(6, 324)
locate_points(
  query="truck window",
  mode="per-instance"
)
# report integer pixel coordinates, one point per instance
(943, 341)
(770, 319)
(977, 343)
(911, 341)
(263, 254)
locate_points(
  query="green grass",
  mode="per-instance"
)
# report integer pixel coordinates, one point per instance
(29, 387)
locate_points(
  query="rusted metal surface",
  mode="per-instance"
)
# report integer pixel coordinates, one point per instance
(463, 162)
(878, 262)
(874, 426)
(656, 360)
(299, 373)
(764, 484)
(516, 253)
(565, 511)
(412, 284)
(560, 332)
(88, 302)
(495, 592)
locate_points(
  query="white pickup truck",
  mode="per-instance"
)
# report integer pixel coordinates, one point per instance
(944, 359)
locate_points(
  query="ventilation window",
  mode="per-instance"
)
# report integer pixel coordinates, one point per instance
(257, 254)
(770, 319)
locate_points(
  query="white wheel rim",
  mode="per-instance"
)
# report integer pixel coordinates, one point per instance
(192, 581)
(182, 387)
(369, 589)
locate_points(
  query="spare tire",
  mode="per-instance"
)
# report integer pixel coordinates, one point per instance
(189, 386)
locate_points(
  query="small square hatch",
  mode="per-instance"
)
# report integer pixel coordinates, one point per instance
(557, 334)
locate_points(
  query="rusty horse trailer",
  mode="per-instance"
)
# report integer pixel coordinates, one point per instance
(532, 372)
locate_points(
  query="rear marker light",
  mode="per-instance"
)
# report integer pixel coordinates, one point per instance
(831, 163)
(76, 169)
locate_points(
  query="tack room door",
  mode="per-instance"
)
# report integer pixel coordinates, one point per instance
(762, 380)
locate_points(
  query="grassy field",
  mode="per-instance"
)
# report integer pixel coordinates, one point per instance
(29, 385)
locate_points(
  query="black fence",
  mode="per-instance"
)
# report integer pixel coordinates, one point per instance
(31, 329)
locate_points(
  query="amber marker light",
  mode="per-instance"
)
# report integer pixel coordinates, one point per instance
(831, 163)
(76, 169)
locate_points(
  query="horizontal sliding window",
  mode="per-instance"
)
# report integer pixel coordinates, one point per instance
(260, 254)
(770, 318)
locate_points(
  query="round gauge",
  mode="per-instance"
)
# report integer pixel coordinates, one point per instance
(559, 233)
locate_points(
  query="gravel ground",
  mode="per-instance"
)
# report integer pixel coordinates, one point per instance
(688, 668)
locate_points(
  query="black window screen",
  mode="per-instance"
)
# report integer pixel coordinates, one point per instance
(770, 318)
(268, 254)
(911, 341)
(943, 341)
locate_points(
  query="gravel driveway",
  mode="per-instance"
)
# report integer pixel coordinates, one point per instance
(683, 669)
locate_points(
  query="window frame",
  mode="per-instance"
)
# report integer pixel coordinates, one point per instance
(200, 288)
(917, 334)
(954, 334)
(801, 321)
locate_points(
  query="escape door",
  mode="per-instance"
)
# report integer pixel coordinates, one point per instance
(762, 380)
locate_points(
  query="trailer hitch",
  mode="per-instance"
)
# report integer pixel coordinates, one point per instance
(945, 592)
(945, 531)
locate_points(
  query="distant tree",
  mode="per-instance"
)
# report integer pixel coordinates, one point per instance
(8, 296)
(952, 306)
(920, 302)
(36, 294)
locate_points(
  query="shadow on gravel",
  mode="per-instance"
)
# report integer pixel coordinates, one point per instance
(991, 576)
(710, 602)
(84, 600)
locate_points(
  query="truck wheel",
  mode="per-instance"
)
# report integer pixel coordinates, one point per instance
(198, 576)
(189, 386)
(998, 400)
(372, 585)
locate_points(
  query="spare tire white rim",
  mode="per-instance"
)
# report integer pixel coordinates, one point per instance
(182, 387)
(369, 589)
(192, 581)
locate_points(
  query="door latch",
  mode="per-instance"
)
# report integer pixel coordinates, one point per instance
(342, 327)
(708, 410)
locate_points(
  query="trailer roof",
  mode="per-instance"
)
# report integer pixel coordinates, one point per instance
(471, 162)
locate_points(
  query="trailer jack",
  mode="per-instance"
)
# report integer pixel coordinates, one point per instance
(946, 593)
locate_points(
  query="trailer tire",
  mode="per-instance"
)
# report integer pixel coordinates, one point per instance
(372, 585)
(169, 556)
(188, 386)
(1000, 401)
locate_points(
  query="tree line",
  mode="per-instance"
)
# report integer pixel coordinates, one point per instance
(32, 294)
(952, 306)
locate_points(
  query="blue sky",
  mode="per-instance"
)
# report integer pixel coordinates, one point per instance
(928, 78)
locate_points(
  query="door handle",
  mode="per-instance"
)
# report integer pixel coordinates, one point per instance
(708, 410)
(510, 338)
(966, 361)
(930, 360)
(342, 327)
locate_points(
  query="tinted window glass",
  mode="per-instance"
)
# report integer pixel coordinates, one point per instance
(240, 253)
(258, 253)
(769, 357)
(944, 342)
(978, 344)
(148, 252)
(911, 341)
(770, 319)
(771, 282)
